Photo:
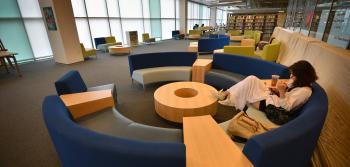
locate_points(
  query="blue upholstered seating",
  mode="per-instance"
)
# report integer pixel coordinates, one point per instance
(98, 41)
(77, 146)
(293, 143)
(175, 34)
(211, 44)
(71, 82)
(158, 67)
(230, 69)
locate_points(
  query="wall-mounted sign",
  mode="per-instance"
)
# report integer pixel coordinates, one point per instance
(50, 18)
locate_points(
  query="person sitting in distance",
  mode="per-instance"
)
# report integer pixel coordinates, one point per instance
(288, 95)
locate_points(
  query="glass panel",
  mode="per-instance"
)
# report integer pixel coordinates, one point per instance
(99, 27)
(130, 8)
(195, 13)
(168, 25)
(145, 4)
(177, 24)
(96, 8)
(116, 29)
(177, 9)
(154, 6)
(78, 8)
(156, 28)
(83, 32)
(9, 9)
(133, 25)
(113, 8)
(319, 21)
(147, 26)
(38, 37)
(308, 14)
(167, 8)
(29, 8)
(339, 34)
(14, 38)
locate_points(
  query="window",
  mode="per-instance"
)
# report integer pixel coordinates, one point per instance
(22, 29)
(197, 14)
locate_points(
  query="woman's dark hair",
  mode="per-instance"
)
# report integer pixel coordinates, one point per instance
(304, 72)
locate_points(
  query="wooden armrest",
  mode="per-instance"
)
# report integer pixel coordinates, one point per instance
(81, 104)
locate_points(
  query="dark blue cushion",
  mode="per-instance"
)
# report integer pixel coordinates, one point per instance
(100, 40)
(249, 66)
(293, 143)
(213, 36)
(70, 82)
(211, 44)
(77, 146)
(175, 33)
(161, 59)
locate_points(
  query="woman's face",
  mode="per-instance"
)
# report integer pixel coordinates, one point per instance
(291, 80)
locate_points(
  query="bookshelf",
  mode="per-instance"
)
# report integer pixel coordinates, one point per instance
(265, 22)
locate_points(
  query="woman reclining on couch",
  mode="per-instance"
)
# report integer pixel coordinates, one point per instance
(287, 95)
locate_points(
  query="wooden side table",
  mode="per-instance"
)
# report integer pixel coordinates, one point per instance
(199, 68)
(81, 104)
(119, 49)
(193, 47)
(207, 145)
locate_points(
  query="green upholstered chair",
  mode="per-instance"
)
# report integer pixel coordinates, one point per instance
(110, 39)
(87, 51)
(257, 36)
(249, 34)
(147, 39)
(240, 50)
(194, 32)
(234, 32)
(270, 51)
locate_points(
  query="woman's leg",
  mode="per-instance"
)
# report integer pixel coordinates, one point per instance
(249, 90)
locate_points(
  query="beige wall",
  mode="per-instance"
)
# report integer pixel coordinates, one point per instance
(65, 41)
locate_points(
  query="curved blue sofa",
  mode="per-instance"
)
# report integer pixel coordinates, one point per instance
(293, 143)
(230, 69)
(164, 66)
(78, 146)
(212, 43)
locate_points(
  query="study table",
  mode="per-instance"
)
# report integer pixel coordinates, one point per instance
(207, 145)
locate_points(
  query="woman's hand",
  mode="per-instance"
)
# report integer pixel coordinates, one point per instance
(282, 88)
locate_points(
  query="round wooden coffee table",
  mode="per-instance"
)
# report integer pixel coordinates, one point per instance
(119, 49)
(183, 99)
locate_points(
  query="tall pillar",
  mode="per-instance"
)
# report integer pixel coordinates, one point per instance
(183, 15)
(212, 16)
(62, 31)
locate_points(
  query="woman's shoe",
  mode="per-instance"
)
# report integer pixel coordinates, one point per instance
(220, 95)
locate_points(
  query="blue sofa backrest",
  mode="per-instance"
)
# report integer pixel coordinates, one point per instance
(210, 44)
(248, 66)
(100, 40)
(161, 59)
(293, 143)
(70, 82)
(77, 146)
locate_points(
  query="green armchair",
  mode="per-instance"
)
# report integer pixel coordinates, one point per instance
(270, 51)
(87, 51)
(240, 50)
(147, 39)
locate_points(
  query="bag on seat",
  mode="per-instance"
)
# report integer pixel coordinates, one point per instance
(279, 115)
(245, 127)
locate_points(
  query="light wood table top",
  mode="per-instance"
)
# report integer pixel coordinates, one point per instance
(199, 68)
(181, 99)
(81, 104)
(207, 145)
(119, 49)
